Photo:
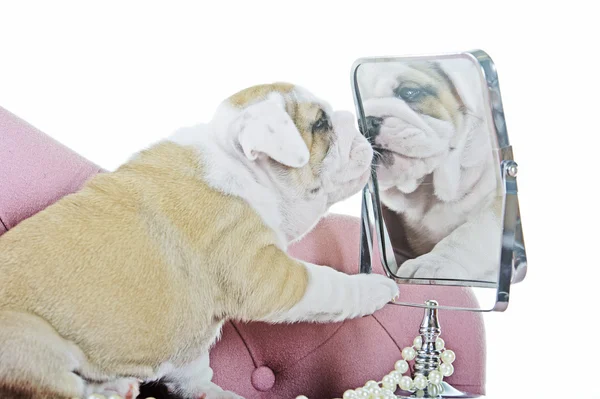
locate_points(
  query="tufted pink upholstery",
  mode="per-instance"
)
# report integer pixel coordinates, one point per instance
(35, 170)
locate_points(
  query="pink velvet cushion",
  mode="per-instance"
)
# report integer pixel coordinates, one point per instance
(258, 360)
(35, 170)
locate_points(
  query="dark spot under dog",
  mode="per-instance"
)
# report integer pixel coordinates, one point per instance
(156, 390)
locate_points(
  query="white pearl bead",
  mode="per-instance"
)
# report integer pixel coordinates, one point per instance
(96, 396)
(362, 393)
(396, 375)
(349, 394)
(435, 377)
(389, 394)
(401, 365)
(301, 397)
(371, 384)
(406, 383)
(420, 381)
(439, 344)
(408, 353)
(119, 397)
(448, 356)
(418, 342)
(420, 394)
(446, 369)
(389, 383)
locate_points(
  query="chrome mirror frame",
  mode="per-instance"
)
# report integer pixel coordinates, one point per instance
(513, 256)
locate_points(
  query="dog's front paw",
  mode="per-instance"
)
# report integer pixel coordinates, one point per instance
(333, 296)
(374, 291)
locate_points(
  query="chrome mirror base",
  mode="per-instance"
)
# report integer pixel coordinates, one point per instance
(428, 357)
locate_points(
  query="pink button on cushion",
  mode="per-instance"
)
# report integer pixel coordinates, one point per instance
(263, 379)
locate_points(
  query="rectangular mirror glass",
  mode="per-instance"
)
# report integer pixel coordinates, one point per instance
(437, 198)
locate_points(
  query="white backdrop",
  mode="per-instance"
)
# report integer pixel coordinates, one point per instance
(108, 78)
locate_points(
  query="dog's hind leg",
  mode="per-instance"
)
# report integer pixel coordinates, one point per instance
(35, 362)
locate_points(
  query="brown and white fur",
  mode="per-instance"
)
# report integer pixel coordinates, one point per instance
(437, 176)
(131, 278)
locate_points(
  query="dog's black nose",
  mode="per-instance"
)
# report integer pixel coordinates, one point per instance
(373, 127)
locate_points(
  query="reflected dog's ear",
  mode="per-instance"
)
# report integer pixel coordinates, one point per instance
(265, 128)
(466, 79)
(446, 178)
(468, 144)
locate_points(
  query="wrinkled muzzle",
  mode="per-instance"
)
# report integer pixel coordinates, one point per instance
(347, 165)
(409, 145)
(400, 129)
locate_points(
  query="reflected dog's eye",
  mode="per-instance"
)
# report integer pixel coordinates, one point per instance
(321, 124)
(409, 94)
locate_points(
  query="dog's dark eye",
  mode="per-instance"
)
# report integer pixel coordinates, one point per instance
(321, 124)
(409, 94)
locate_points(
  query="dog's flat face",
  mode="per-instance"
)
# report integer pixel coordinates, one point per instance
(419, 116)
(314, 156)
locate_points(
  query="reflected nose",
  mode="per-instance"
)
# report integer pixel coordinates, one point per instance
(373, 127)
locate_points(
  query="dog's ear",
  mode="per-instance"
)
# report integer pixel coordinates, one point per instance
(466, 78)
(446, 178)
(266, 128)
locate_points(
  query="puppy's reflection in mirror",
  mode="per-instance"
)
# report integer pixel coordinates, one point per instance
(437, 168)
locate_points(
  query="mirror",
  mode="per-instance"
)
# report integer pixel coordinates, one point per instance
(442, 197)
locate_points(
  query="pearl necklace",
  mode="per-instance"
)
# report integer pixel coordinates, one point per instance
(432, 383)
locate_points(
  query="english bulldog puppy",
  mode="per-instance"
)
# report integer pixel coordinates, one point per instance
(437, 176)
(131, 278)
